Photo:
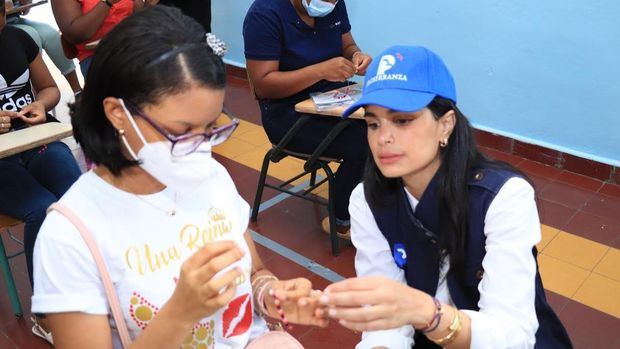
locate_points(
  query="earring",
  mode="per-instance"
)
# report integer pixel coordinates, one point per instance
(120, 132)
(443, 143)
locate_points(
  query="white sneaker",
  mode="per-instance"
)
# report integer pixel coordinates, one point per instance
(38, 331)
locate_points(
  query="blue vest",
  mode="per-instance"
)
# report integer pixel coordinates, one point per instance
(415, 235)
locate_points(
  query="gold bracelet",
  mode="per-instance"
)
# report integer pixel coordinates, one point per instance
(455, 328)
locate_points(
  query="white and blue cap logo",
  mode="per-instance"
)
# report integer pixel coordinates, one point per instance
(400, 255)
(405, 78)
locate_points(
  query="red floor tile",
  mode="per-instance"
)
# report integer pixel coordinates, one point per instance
(554, 214)
(502, 156)
(541, 155)
(295, 223)
(580, 181)
(538, 169)
(587, 167)
(616, 243)
(334, 336)
(493, 141)
(556, 301)
(593, 227)
(566, 194)
(19, 332)
(610, 190)
(286, 269)
(590, 327)
(6, 343)
(604, 206)
(540, 183)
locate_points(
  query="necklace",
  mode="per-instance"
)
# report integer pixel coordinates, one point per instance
(172, 212)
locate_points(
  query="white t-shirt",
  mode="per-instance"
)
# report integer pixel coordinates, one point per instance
(144, 247)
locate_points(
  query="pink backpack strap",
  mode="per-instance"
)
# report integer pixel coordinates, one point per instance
(110, 292)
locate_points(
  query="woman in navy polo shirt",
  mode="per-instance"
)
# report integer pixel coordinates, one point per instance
(445, 237)
(293, 48)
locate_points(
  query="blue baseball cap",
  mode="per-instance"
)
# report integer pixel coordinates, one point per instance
(405, 78)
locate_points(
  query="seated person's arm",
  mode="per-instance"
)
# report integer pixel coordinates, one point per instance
(352, 52)
(76, 330)
(79, 330)
(47, 93)
(75, 26)
(270, 82)
(44, 84)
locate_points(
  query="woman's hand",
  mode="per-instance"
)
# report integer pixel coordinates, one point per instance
(298, 301)
(377, 303)
(361, 61)
(33, 113)
(199, 291)
(5, 120)
(336, 69)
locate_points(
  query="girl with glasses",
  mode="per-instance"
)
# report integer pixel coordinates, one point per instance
(171, 226)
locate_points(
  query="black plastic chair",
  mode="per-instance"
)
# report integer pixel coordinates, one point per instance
(313, 163)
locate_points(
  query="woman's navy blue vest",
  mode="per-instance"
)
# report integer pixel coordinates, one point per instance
(413, 238)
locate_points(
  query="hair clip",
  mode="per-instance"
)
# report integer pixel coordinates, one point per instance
(217, 45)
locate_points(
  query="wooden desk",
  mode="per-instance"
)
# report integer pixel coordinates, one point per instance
(22, 8)
(27, 138)
(307, 106)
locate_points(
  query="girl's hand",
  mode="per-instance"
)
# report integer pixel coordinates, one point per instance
(361, 61)
(200, 292)
(377, 303)
(5, 120)
(298, 301)
(33, 113)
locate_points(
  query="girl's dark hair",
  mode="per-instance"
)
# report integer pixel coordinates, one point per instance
(458, 158)
(154, 53)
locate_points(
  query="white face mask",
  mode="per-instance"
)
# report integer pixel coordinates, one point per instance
(318, 8)
(182, 174)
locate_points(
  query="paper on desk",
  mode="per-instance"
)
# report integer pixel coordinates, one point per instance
(337, 98)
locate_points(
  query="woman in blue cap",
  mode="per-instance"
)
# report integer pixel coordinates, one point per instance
(445, 237)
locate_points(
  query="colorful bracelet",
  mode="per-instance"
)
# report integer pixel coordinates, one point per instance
(435, 320)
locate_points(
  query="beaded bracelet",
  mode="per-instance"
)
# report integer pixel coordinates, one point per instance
(435, 320)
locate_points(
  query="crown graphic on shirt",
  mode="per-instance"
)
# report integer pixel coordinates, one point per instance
(216, 214)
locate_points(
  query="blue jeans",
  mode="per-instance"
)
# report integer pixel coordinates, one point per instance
(31, 181)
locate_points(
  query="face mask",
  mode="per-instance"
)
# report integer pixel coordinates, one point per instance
(182, 174)
(318, 8)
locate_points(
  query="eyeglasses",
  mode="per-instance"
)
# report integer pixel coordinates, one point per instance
(188, 143)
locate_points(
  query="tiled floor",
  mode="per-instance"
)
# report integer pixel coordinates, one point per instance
(579, 259)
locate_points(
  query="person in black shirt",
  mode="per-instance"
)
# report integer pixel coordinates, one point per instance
(32, 180)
